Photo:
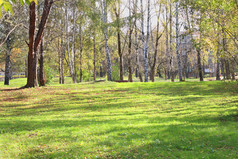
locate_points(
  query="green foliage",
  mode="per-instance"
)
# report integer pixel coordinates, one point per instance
(50, 74)
(6, 4)
(115, 73)
(85, 76)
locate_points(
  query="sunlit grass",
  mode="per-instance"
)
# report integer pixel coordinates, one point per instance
(120, 120)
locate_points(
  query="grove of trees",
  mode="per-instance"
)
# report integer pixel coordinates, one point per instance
(88, 39)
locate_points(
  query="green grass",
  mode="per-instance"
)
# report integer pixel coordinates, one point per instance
(120, 120)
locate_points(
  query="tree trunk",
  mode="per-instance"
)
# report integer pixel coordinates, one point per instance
(171, 43)
(156, 48)
(61, 62)
(109, 66)
(8, 62)
(177, 44)
(136, 44)
(146, 47)
(117, 13)
(130, 78)
(81, 53)
(199, 63)
(218, 60)
(94, 58)
(32, 67)
(167, 42)
(227, 67)
(41, 63)
(223, 68)
(34, 43)
(233, 67)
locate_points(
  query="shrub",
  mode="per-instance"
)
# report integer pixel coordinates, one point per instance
(115, 73)
(50, 74)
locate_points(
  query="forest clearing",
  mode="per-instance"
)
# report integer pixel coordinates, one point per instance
(118, 79)
(120, 120)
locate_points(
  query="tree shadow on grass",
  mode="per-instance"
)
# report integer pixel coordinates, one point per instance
(159, 141)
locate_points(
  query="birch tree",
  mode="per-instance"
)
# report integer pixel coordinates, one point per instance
(105, 31)
(177, 43)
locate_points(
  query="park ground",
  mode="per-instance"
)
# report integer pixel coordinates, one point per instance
(120, 120)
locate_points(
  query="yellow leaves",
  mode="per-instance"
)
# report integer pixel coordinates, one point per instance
(16, 51)
(6, 4)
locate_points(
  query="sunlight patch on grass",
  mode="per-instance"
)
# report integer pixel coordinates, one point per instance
(120, 120)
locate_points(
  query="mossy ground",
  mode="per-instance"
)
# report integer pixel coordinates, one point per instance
(120, 120)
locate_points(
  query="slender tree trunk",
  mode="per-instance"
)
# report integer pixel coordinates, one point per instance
(146, 47)
(223, 68)
(156, 47)
(117, 13)
(137, 44)
(233, 65)
(130, 78)
(73, 51)
(94, 58)
(227, 64)
(198, 48)
(60, 61)
(167, 41)
(177, 43)
(227, 67)
(81, 53)
(218, 59)
(109, 66)
(8, 62)
(41, 63)
(171, 43)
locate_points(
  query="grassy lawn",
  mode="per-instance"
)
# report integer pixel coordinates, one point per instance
(120, 120)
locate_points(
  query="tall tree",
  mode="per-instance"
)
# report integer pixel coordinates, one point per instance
(35, 40)
(105, 31)
(8, 61)
(177, 43)
(117, 11)
(130, 78)
(158, 36)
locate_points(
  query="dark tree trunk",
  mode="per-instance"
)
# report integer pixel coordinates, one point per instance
(41, 62)
(101, 72)
(199, 64)
(31, 78)
(223, 68)
(218, 75)
(130, 78)
(227, 67)
(233, 76)
(121, 67)
(218, 66)
(94, 59)
(26, 68)
(34, 41)
(8, 63)
(117, 13)
(120, 55)
(61, 62)
(81, 56)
